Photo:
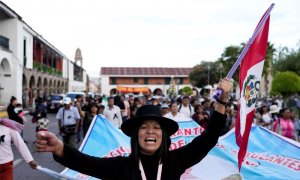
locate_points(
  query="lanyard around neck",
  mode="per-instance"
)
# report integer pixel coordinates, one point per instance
(158, 176)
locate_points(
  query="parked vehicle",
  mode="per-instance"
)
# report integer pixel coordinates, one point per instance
(73, 95)
(91, 94)
(55, 102)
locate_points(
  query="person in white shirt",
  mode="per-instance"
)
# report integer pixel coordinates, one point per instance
(7, 136)
(113, 113)
(174, 114)
(186, 108)
(68, 122)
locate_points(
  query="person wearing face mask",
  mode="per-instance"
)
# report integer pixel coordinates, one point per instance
(150, 157)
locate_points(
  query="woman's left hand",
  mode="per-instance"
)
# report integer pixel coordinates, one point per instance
(225, 85)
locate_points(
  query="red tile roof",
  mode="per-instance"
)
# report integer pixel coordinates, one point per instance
(158, 71)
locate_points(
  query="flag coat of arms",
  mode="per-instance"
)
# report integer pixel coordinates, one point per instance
(250, 77)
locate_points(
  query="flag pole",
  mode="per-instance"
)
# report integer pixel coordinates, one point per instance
(245, 50)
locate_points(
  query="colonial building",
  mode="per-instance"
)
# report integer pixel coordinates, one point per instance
(143, 80)
(30, 66)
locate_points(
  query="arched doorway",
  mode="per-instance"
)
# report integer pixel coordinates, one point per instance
(54, 88)
(5, 67)
(45, 87)
(50, 87)
(31, 91)
(5, 80)
(63, 87)
(39, 87)
(66, 86)
(58, 87)
(24, 91)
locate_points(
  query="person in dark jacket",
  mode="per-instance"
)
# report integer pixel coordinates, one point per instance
(150, 156)
(11, 110)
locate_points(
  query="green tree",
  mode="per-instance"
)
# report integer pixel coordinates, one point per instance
(206, 73)
(285, 83)
(267, 64)
(269, 59)
(187, 90)
(288, 60)
(229, 57)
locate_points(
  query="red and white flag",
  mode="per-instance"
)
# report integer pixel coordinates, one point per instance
(249, 81)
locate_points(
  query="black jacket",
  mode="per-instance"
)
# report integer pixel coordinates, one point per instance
(12, 115)
(124, 167)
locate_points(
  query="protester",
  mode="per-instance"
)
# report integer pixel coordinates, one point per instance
(10, 133)
(68, 121)
(126, 111)
(186, 108)
(88, 117)
(13, 115)
(265, 117)
(229, 117)
(113, 113)
(141, 102)
(39, 107)
(200, 117)
(274, 111)
(21, 113)
(150, 156)
(101, 109)
(285, 126)
(296, 124)
(206, 104)
(11, 111)
(79, 104)
(174, 114)
(164, 109)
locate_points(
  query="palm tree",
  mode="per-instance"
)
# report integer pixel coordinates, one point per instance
(268, 64)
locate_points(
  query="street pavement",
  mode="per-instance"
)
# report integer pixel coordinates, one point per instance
(21, 169)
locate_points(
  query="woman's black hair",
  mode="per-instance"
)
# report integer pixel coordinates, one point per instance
(93, 105)
(172, 104)
(162, 151)
(12, 99)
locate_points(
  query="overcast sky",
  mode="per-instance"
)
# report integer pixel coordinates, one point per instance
(154, 33)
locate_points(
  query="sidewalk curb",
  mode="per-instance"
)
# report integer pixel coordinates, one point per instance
(3, 114)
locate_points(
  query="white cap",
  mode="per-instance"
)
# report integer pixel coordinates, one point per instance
(201, 100)
(164, 106)
(67, 100)
(274, 109)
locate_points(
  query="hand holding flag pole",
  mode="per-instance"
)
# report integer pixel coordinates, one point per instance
(245, 50)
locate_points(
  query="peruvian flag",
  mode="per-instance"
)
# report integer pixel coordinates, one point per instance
(249, 81)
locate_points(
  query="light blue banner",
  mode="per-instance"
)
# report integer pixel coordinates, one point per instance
(269, 156)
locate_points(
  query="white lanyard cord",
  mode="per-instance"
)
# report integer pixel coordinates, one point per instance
(158, 176)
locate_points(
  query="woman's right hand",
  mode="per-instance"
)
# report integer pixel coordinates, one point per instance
(48, 142)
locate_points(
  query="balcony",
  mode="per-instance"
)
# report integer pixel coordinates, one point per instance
(47, 69)
(4, 42)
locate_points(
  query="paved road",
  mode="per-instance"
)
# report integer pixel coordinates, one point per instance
(22, 170)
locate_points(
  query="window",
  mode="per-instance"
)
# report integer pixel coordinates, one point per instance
(180, 80)
(146, 81)
(24, 52)
(113, 80)
(135, 80)
(167, 80)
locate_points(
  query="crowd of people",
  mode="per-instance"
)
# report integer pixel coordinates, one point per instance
(272, 114)
(75, 117)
